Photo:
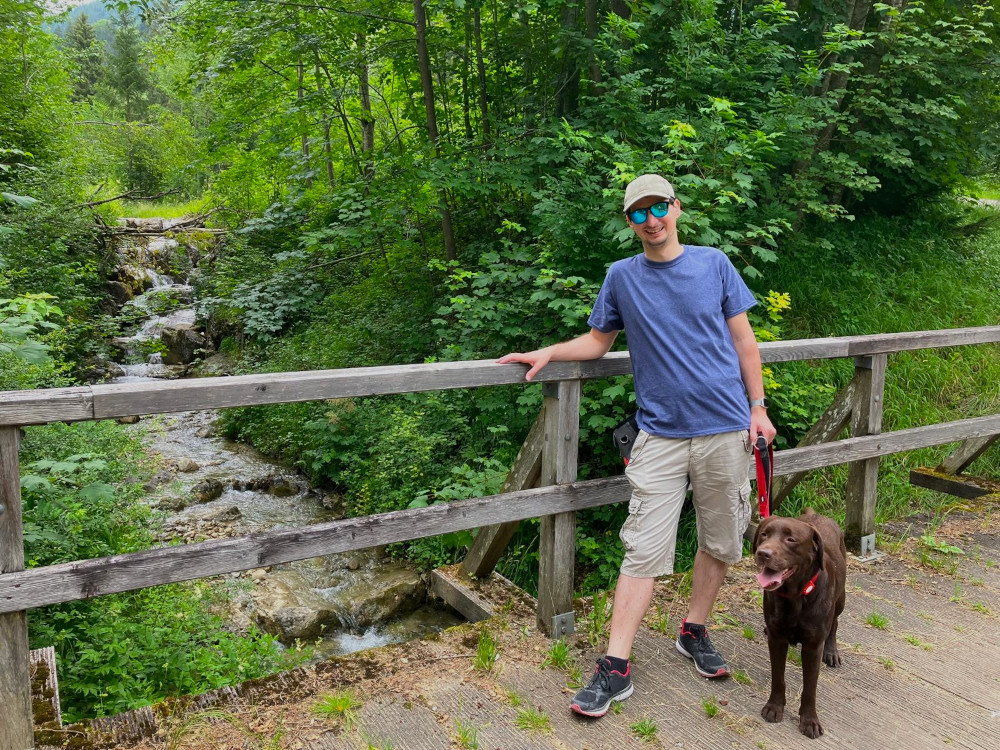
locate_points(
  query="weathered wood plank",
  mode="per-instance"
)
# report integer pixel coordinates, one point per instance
(84, 579)
(965, 454)
(491, 541)
(886, 343)
(957, 486)
(16, 730)
(557, 533)
(37, 587)
(460, 596)
(130, 399)
(860, 448)
(827, 428)
(862, 476)
(45, 405)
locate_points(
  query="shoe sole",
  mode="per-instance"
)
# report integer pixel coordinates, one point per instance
(597, 713)
(708, 675)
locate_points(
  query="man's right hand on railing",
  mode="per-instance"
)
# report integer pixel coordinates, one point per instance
(593, 345)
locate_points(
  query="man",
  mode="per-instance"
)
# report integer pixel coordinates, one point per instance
(700, 394)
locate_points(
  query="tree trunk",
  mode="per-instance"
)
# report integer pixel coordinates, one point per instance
(593, 64)
(327, 149)
(427, 82)
(302, 121)
(481, 70)
(367, 119)
(568, 82)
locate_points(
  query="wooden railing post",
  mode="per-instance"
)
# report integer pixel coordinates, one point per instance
(557, 536)
(16, 731)
(490, 543)
(862, 476)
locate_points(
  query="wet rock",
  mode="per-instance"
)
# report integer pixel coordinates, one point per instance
(288, 609)
(221, 515)
(335, 502)
(217, 364)
(206, 432)
(128, 420)
(160, 478)
(181, 342)
(119, 292)
(392, 593)
(207, 490)
(282, 487)
(258, 575)
(172, 503)
(187, 465)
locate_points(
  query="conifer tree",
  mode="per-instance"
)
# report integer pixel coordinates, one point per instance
(87, 52)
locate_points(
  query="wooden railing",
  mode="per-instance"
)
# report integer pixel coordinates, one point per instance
(547, 459)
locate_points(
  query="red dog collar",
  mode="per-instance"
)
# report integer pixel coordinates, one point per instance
(806, 590)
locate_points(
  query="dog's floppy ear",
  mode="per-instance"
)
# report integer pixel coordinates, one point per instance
(756, 534)
(817, 549)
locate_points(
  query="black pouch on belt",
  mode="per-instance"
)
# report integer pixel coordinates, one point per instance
(625, 435)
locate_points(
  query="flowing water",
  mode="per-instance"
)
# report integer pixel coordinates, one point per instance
(211, 487)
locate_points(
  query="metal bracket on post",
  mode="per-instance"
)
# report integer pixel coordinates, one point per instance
(866, 552)
(864, 362)
(563, 625)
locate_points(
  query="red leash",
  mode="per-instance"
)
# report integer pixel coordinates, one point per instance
(764, 456)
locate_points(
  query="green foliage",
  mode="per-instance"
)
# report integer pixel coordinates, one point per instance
(22, 320)
(80, 500)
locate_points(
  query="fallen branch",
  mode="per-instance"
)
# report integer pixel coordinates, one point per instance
(128, 194)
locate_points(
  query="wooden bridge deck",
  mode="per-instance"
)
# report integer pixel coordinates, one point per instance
(929, 679)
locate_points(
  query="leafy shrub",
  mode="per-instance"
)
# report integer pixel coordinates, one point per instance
(82, 497)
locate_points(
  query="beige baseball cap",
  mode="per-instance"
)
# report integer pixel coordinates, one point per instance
(646, 186)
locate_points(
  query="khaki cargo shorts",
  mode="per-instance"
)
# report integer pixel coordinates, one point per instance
(719, 470)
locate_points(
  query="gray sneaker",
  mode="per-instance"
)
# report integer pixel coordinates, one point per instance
(694, 643)
(605, 686)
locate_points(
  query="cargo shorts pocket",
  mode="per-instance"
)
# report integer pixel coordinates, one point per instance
(630, 529)
(743, 510)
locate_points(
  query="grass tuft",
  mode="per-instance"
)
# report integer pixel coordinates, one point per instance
(877, 620)
(533, 720)
(644, 729)
(487, 652)
(340, 707)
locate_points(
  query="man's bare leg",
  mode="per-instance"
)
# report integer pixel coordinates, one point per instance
(706, 580)
(632, 597)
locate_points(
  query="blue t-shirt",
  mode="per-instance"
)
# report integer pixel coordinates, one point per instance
(687, 373)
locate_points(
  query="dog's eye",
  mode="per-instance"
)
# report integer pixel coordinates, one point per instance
(790, 540)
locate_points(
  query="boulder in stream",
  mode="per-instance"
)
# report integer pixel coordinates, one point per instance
(282, 487)
(293, 605)
(187, 464)
(181, 342)
(207, 490)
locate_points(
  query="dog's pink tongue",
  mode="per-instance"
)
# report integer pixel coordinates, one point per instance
(767, 578)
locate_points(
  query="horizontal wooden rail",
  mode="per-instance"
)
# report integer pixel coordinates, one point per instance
(89, 578)
(132, 399)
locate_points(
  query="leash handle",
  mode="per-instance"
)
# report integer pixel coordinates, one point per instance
(764, 458)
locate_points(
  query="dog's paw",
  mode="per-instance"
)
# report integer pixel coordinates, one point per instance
(810, 726)
(772, 712)
(831, 657)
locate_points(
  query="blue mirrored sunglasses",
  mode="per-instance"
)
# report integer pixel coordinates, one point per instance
(659, 210)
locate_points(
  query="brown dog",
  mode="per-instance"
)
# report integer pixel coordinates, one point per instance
(803, 571)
